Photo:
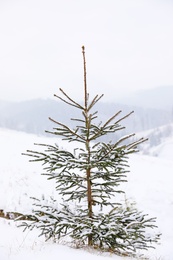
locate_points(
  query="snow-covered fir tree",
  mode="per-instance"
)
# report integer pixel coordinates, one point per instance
(88, 181)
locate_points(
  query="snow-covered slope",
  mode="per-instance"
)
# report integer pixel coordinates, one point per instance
(164, 150)
(149, 184)
(160, 141)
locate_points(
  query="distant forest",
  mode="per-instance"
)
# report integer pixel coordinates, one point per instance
(152, 109)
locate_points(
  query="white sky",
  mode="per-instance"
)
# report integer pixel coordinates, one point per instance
(129, 46)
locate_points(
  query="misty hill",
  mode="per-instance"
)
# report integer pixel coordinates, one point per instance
(160, 141)
(157, 98)
(32, 116)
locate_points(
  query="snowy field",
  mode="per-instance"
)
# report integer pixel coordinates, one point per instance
(149, 184)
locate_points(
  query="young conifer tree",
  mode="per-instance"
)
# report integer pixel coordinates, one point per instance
(88, 181)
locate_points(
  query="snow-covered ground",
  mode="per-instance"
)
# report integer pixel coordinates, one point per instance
(149, 184)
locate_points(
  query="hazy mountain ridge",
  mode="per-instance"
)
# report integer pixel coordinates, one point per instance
(32, 116)
(158, 98)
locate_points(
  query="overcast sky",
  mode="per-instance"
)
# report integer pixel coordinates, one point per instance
(129, 47)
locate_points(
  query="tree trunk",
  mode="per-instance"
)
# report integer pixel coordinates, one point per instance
(89, 196)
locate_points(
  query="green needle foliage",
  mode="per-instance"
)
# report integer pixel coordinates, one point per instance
(88, 181)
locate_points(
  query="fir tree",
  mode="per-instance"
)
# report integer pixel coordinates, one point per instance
(88, 181)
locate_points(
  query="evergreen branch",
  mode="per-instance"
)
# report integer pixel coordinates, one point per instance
(77, 104)
(94, 101)
(115, 145)
(134, 144)
(123, 139)
(110, 119)
(78, 120)
(103, 130)
(34, 154)
(65, 101)
(72, 103)
(67, 128)
(124, 117)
